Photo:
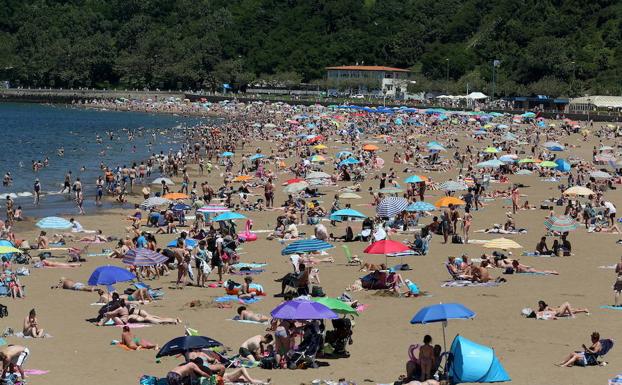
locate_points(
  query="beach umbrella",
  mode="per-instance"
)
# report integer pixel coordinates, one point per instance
(562, 223)
(579, 191)
(451, 185)
(491, 150)
(318, 158)
(548, 164)
(446, 201)
(616, 380)
(493, 163)
(303, 246)
(189, 243)
(605, 148)
(553, 146)
(296, 187)
(213, 208)
(349, 161)
(270, 125)
(420, 207)
(294, 180)
(529, 115)
(349, 195)
(339, 215)
(228, 216)
(181, 207)
(527, 160)
(509, 158)
(370, 147)
(9, 250)
(336, 305)
(435, 147)
(502, 243)
(153, 202)
(257, 156)
(109, 275)
(320, 147)
(242, 178)
(318, 175)
(167, 181)
(442, 313)
(386, 246)
(227, 154)
(390, 206)
(54, 223)
(391, 190)
(600, 175)
(302, 309)
(184, 344)
(143, 257)
(414, 179)
(175, 196)
(341, 154)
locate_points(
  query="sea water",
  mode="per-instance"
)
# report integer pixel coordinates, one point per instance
(34, 132)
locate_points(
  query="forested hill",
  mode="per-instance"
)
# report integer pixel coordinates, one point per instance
(544, 46)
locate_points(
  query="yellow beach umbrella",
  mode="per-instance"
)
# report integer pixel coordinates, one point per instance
(9, 250)
(491, 150)
(502, 243)
(320, 147)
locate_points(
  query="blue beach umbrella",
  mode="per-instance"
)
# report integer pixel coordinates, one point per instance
(349, 161)
(341, 154)
(306, 246)
(442, 313)
(109, 275)
(182, 345)
(227, 154)
(413, 179)
(562, 165)
(54, 223)
(420, 207)
(257, 156)
(188, 243)
(346, 213)
(229, 217)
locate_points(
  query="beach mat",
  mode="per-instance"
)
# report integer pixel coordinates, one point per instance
(469, 284)
(245, 321)
(610, 307)
(230, 298)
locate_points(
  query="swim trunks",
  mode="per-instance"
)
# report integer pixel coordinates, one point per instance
(244, 352)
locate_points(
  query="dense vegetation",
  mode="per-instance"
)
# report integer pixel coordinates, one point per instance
(555, 47)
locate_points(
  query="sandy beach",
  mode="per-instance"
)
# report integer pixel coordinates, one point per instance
(79, 351)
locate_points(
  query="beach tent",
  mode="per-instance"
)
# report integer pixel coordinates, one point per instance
(472, 362)
(562, 165)
(476, 96)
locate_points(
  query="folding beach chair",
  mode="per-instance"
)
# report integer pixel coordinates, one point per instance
(348, 254)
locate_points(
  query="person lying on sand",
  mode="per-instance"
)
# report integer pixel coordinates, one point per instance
(69, 284)
(249, 315)
(564, 310)
(208, 359)
(135, 343)
(139, 296)
(520, 268)
(43, 262)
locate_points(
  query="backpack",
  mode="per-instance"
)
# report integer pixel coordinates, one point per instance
(456, 239)
(316, 291)
(4, 311)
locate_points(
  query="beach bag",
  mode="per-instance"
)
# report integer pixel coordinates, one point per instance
(147, 380)
(4, 311)
(268, 363)
(456, 239)
(316, 291)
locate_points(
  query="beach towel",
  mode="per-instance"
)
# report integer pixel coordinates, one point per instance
(607, 267)
(35, 372)
(248, 272)
(249, 265)
(97, 254)
(97, 304)
(469, 284)
(610, 307)
(233, 298)
(131, 326)
(21, 335)
(245, 321)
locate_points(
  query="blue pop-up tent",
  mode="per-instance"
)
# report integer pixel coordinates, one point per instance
(562, 165)
(472, 362)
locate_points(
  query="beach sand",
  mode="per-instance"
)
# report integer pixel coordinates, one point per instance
(80, 352)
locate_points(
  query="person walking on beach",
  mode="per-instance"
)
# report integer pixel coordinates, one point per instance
(99, 190)
(37, 192)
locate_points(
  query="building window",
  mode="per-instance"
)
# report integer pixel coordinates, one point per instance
(389, 87)
(388, 75)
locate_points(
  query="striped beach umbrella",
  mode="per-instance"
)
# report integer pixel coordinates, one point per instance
(154, 202)
(562, 223)
(616, 380)
(306, 246)
(390, 206)
(451, 185)
(167, 181)
(420, 207)
(54, 223)
(213, 208)
(143, 257)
